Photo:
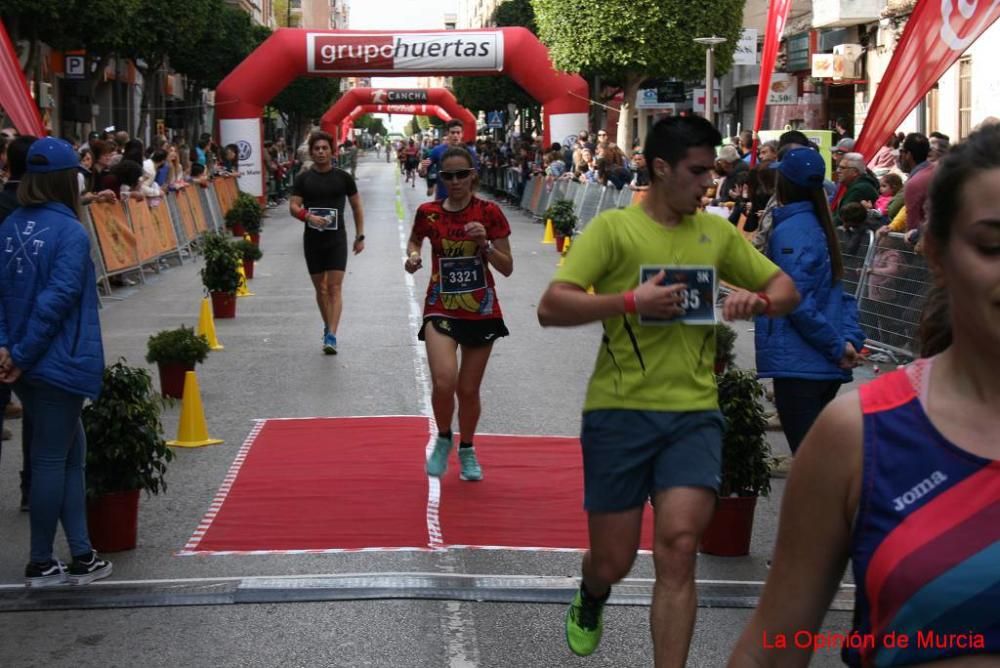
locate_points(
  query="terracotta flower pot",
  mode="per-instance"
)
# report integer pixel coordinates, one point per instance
(113, 521)
(255, 238)
(172, 378)
(238, 230)
(729, 532)
(248, 268)
(223, 305)
(560, 242)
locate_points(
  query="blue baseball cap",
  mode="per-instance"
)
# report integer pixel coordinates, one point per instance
(51, 155)
(802, 166)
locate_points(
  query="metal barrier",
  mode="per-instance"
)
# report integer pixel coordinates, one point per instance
(588, 205)
(855, 251)
(529, 192)
(895, 280)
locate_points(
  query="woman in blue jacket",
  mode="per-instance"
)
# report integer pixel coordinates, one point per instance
(810, 352)
(51, 350)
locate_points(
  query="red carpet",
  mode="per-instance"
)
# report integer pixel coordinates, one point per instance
(531, 495)
(332, 484)
(327, 483)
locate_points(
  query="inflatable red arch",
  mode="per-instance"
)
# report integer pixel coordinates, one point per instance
(329, 124)
(398, 97)
(292, 52)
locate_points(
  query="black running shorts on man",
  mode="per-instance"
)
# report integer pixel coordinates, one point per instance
(325, 250)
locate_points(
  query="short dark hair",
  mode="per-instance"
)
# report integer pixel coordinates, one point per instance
(671, 137)
(319, 135)
(454, 123)
(458, 152)
(792, 137)
(197, 169)
(939, 135)
(128, 172)
(917, 145)
(17, 155)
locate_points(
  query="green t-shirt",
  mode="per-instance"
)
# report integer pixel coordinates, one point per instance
(658, 368)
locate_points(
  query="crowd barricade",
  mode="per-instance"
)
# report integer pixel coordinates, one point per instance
(855, 249)
(893, 286)
(226, 192)
(529, 192)
(589, 203)
(132, 235)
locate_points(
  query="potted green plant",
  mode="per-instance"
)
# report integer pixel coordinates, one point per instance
(745, 471)
(725, 347)
(126, 454)
(175, 352)
(245, 217)
(220, 275)
(563, 221)
(249, 253)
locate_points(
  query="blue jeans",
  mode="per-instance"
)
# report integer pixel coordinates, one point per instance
(5, 396)
(58, 454)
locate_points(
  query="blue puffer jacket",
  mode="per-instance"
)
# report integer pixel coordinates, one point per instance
(48, 299)
(809, 342)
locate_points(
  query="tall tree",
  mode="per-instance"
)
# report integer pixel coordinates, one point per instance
(495, 93)
(304, 99)
(638, 40)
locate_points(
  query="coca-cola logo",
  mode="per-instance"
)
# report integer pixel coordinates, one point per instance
(950, 27)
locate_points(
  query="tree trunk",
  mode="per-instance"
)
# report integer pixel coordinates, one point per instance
(629, 91)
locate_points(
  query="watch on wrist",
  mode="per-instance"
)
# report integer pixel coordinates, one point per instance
(488, 248)
(358, 238)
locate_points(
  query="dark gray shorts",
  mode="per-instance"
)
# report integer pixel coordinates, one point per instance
(629, 455)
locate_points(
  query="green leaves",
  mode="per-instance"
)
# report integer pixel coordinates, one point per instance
(248, 250)
(125, 446)
(221, 259)
(247, 212)
(745, 450)
(180, 345)
(562, 217)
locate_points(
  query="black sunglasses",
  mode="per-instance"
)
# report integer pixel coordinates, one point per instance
(456, 176)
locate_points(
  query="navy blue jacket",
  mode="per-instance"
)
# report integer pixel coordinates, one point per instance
(48, 299)
(809, 342)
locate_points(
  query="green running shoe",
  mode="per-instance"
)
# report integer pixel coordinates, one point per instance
(470, 465)
(584, 625)
(437, 463)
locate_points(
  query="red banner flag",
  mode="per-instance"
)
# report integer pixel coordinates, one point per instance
(777, 15)
(14, 94)
(937, 34)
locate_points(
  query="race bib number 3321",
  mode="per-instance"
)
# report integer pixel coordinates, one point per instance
(697, 299)
(462, 274)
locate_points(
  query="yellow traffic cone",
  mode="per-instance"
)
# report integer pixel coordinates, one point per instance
(243, 290)
(550, 237)
(562, 256)
(566, 243)
(590, 290)
(192, 432)
(206, 325)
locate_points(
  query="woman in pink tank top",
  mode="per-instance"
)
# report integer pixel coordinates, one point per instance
(902, 477)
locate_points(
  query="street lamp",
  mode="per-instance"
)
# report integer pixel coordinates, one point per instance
(709, 43)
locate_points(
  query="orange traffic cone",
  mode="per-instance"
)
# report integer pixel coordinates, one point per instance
(550, 237)
(206, 325)
(192, 432)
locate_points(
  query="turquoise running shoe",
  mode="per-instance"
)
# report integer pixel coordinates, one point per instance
(437, 463)
(470, 465)
(584, 625)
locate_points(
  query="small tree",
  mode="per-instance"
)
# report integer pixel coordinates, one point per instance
(637, 40)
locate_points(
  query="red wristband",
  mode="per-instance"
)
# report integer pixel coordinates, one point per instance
(630, 302)
(767, 302)
(303, 214)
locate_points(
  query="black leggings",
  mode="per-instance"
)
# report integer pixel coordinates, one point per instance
(799, 403)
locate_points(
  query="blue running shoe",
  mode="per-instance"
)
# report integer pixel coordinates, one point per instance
(437, 463)
(330, 344)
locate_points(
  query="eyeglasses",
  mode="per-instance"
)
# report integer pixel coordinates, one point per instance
(455, 176)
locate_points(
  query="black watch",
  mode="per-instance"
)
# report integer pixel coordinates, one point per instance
(360, 237)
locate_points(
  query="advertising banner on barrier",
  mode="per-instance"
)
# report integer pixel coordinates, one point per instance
(777, 15)
(188, 223)
(118, 244)
(380, 53)
(166, 239)
(937, 34)
(144, 230)
(245, 133)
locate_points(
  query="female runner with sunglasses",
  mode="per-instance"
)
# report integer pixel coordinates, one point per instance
(461, 310)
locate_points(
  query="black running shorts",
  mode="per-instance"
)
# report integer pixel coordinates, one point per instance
(325, 251)
(467, 332)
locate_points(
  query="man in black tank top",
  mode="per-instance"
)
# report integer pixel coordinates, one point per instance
(318, 197)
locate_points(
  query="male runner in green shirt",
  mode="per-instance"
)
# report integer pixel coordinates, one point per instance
(652, 429)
